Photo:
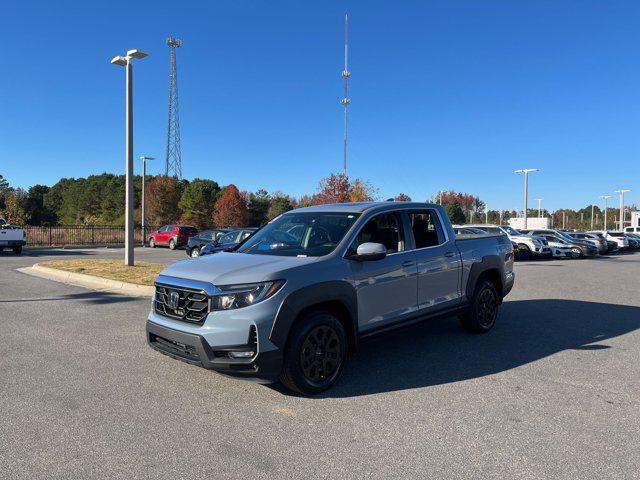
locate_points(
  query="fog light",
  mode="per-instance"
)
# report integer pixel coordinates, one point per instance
(241, 354)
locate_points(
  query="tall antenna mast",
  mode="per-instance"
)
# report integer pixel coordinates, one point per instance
(345, 101)
(173, 164)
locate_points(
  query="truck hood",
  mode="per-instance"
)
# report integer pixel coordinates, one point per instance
(226, 268)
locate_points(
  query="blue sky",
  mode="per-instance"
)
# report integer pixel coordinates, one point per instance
(445, 94)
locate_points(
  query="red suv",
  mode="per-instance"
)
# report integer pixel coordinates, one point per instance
(173, 236)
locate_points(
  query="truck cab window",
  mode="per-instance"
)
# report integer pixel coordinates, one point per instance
(426, 228)
(384, 229)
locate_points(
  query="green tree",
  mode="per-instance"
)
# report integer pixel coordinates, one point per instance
(38, 213)
(198, 201)
(279, 204)
(258, 206)
(112, 201)
(455, 212)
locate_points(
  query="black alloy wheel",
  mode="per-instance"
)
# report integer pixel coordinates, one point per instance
(487, 308)
(315, 353)
(483, 311)
(321, 354)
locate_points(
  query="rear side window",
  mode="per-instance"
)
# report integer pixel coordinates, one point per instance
(384, 229)
(426, 228)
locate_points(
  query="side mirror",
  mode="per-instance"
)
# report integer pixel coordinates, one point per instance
(369, 251)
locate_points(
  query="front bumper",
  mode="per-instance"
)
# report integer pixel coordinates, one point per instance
(12, 243)
(194, 349)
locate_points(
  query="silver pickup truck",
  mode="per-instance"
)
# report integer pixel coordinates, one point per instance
(294, 299)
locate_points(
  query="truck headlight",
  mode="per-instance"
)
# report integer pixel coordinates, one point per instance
(239, 296)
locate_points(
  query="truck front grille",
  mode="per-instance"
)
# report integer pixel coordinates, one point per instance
(181, 303)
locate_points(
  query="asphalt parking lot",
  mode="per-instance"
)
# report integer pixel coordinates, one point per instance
(552, 392)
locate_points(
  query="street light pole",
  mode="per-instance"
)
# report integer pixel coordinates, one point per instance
(144, 203)
(539, 200)
(592, 207)
(126, 61)
(605, 197)
(622, 192)
(526, 172)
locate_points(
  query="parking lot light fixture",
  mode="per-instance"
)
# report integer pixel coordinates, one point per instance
(605, 198)
(592, 207)
(144, 206)
(526, 172)
(622, 192)
(126, 61)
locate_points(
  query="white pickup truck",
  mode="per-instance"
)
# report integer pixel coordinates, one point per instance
(11, 237)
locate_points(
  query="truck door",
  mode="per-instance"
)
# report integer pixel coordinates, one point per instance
(437, 260)
(387, 288)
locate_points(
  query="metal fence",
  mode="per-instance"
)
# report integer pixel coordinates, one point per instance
(69, 235)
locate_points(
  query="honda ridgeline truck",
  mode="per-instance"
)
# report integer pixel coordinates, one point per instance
(293, 300)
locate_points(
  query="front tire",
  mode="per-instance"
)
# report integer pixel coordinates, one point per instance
(17, 250)
(482, 314)
(172, 244)
(152, 243)
(315, 353)
(576, 253)
(195, 252)
(524, 252)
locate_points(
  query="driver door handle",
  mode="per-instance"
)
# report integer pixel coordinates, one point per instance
(449, 254)
(408, 263)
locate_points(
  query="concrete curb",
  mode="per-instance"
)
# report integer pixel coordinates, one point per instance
(89, 281)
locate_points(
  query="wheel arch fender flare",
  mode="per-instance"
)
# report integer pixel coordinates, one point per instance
(338, 293)
(489, 265)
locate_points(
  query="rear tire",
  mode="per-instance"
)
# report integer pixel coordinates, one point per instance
(315, 353)
(172, 244)
(17, 250)
(483, 311)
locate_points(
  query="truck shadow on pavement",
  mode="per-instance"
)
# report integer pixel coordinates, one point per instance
(439, 351)
(93, 297)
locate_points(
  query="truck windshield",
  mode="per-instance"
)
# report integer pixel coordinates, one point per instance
(309, 234)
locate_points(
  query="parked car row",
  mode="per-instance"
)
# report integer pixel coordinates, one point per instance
(541, 243)
(198, 243)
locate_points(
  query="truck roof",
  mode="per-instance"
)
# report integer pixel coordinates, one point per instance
(361, 207)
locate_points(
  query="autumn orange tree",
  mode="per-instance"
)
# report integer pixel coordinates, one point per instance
(162, 198)
(402, 197)
(336, 188)
(466, 201)
(231, 209)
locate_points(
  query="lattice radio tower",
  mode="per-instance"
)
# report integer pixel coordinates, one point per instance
(174, 157)
(345, 100)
